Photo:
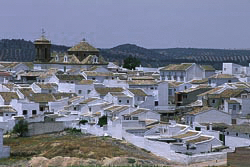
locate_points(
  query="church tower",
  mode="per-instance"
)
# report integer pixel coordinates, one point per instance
(42, 46)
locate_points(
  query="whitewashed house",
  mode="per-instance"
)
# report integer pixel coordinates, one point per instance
(181, 72)
(45, 87)
(119, 98)
(207, 115)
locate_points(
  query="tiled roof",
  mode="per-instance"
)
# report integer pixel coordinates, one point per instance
(138, 92)
(142, 82)
(104, 91)
(118, 94)
(4, 73)
(222, 76)
(231, 93)
(59, 58)
(184, 135)
(9, 85)
(83, 46)
(208, 67)
(70, 77)
(244, 128)
(46, 85)
(89, 60)
(32, 73)
(8, 96)
(41, 97)
(210, 91)
(7, 109)
(173, 84)
(200, 110)
(114, 109)
(86, 82)
(26, 91)
(203, 81)
(63, 95)
(177, 67)
(88, 100)
(139, 111)
(201, 138)
(94, 73)
(232, 102)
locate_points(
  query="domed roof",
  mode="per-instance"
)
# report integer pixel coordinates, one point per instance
(42, 40)
(83, 46)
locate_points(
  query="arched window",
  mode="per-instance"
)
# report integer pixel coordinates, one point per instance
(57, 58)
(65, 59)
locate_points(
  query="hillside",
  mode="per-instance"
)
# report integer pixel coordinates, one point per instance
(21, 50)
(75, 149)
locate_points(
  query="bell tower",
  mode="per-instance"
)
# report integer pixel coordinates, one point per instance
(42, 46)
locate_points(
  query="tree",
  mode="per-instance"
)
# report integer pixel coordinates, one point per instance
(131, 62)
(21, 128)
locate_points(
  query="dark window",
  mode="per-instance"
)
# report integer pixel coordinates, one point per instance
(93, 78)
(135, 118)
(79, 91)
(41, 108)
(50, 91)
(184, 96)
(6, 114)
(75, 108)
(234, 107)
(120, 101)
(213, 101)
(237, 134)
(229, 81)
(33, 112)
(198, 128)
(127, 101)
(185, 87)
(67, 81)
(152, 88)
(72, 82)
(25, 112)
(156, 103)
(90, 109)
(13, 114)
(42, 80)
(89, 91)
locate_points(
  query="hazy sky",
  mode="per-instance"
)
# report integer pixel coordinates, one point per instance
(147, 23)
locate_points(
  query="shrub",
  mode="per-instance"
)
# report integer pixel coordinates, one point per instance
(131, 160)
(21, 128)
(102, 121)
(83, 122)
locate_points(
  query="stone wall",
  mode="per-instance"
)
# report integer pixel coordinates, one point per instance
(37, 128)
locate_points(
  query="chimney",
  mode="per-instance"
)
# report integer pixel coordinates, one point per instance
(210, 126)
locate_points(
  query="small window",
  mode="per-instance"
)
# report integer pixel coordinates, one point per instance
(89, 109)
(67, 81)
(33, 112)
(75, 108)
(152, 88)
(42, 80)
(89, 91)
(25, 112)
(6, 114)
(156, 103)
(213, 101)
(135, 118)
(225, 69)
(237, 134)
(236, 69)
(13, 115)
(50, 91)
(93, 78)
(127, 101)
(41, 109)
(120, 101)
(184, 96)
(234, 107)
(229, 81)
(72, 82)
(79, 91)
(185, 87)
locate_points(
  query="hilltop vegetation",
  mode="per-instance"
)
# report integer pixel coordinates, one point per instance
(21, 50)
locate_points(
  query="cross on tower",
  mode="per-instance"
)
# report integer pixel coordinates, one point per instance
(43, 32)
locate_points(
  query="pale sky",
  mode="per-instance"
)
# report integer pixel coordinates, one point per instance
(147, 23)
